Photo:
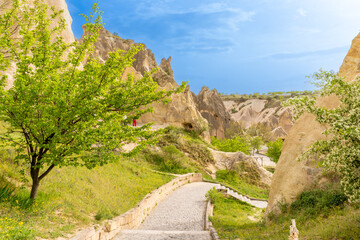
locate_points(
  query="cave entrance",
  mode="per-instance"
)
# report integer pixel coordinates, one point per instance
(188, 126)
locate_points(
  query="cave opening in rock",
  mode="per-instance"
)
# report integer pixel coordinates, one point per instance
(188, 126)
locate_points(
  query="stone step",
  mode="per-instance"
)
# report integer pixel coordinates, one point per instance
(162, 235)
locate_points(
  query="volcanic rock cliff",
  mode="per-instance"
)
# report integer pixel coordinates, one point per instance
(181, 111)
(292, 177)
(213, 110)
(268, 112)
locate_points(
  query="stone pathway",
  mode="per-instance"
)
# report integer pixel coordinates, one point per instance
(179, 216)
(264, 160)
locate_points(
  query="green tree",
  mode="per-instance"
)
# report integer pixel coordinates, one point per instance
(235, 144)
(255, 144)
(66, 108)
(274, 149)
(340, 151)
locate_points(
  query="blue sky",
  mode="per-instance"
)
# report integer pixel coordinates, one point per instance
(236, 46)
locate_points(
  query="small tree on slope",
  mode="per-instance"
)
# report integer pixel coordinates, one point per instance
(58, 112)
(341, 153)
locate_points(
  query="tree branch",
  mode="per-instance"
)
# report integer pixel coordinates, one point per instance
(46, 172)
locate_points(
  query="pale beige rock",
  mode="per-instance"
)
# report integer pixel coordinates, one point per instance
(255, 111)
(291, 176)
(181, 111)
(350, 68)
(278, 132)
(213, 110)
(221, 157)
(294, 232)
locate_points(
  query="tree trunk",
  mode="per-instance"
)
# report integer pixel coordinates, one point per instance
(34, 172)
(34, 188)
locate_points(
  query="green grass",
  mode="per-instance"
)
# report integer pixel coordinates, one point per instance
(232, 179)
(330, 218)
(71, 197)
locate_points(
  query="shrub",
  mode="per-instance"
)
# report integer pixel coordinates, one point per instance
(339, 152)
(318, 201)
(235, 144)
(233, 111)
(213, 195)
(274, 149)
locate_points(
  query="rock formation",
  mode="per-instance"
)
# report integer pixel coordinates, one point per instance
(292, 177)
(213, 110)
(249, 166)
(255, 111)
(181, 111)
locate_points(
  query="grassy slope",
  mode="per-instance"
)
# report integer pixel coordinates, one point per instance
(75, 197)
(183, 151)
(232, 222)
(241, 184)
(70, 197)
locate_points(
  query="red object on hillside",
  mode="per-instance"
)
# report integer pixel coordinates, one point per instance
(134, 123)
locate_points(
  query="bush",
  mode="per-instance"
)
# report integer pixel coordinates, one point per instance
(274, 150)
(235, 144)
(213, 195)
(103, 214)
(318, 201)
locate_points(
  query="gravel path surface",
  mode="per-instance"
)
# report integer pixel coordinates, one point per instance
(180, 216)
(162, 235)
(183, 210)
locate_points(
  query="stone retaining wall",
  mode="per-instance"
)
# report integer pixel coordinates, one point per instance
(208, 224)
(135, 216)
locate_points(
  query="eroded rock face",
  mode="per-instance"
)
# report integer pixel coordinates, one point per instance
(181, 111)
(250, 165)
(255, 111)
(292, 177)
(67, 34)
(213, 110)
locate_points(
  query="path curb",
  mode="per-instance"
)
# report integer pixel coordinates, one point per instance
(208, 224)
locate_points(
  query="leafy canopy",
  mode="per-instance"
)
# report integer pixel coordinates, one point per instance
(274, 149)
(235, 144)
(340, 152)
(66, 107)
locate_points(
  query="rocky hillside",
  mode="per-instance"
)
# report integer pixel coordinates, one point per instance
(292, 177)
(213, 110)
(261, 111)
(184, 110)
(199, 113)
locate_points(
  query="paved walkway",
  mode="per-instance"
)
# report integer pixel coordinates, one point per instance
(179, 216)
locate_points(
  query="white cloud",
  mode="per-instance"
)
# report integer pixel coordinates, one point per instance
(163, 8)
(302, 12)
